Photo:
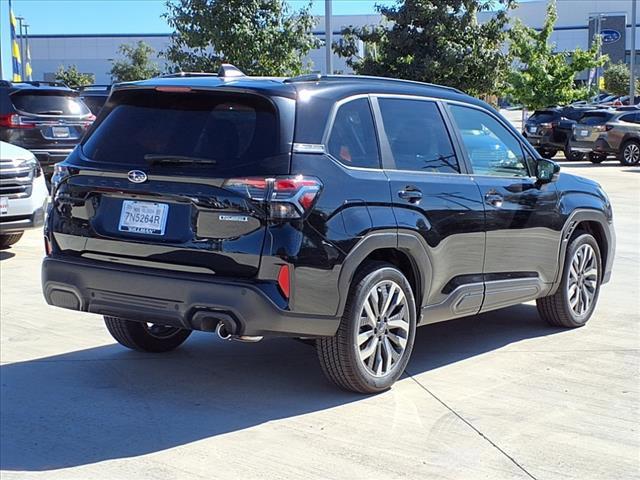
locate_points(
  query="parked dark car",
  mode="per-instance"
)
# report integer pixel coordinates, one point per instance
(344, 210)
(94, 96)
(47, 118)
(604, 133)
(549, 130)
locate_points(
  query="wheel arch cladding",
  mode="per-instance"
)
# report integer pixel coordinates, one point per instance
(404, 251)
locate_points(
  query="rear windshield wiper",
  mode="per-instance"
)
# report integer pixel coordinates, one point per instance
(50, 112)
(176, 159)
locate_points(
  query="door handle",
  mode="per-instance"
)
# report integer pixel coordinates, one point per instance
(494, 199)
(410, 194)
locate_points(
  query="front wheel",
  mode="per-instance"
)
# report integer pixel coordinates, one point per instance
(145, 337)
(630, 153)
(574, 301)
(374, 340)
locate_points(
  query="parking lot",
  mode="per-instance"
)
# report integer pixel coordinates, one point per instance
(496, 396)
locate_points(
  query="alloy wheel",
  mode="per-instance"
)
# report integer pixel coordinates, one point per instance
(583, 280)
(631, 154)
(383, 328)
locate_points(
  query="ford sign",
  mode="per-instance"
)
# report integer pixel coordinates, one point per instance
(137, 176)
(610, 36)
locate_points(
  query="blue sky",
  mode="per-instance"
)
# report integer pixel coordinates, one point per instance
(131, 16)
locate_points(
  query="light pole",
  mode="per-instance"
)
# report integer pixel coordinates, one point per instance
(328, 36)
(632, 66)
(27, 55)
(598, 25)
(20, 19)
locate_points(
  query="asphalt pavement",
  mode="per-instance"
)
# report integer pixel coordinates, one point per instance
(497, 396)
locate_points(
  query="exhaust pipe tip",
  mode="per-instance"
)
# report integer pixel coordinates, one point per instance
(222, 332)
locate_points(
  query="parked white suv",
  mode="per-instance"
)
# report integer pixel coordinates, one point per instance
(23, 193)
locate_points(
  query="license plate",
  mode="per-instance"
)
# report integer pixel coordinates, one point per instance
(143, 217)
(4, 205)
(60, 132)
(584, 133)
(533, 129)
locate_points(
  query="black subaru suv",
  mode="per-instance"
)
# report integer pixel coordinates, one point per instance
(343, 210)
(47, 118)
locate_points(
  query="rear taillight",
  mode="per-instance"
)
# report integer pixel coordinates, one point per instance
(13, 120)
(286, 197)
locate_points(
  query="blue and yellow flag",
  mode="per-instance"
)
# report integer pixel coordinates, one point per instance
(15, 47)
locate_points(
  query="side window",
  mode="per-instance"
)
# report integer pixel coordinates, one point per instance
(353, 138)
(417, 136)
(491, 148)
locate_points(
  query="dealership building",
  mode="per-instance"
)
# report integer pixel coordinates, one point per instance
(578, 21)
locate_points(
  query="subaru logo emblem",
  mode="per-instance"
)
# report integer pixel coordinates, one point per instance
(137, 176)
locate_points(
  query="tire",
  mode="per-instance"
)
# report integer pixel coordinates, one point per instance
(557, 309)
(630, 153)
(547, 152)
(572, 155)
(9, 239)
(341, 356)
(144, 338)
(596, 157)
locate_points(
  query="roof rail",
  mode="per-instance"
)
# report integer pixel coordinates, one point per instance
(318, 77)
(37, 83)
(188, 74)
(96, 86)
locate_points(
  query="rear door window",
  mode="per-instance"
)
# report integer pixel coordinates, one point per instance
(417, 136)
(47, 103)
(211, 132)
(353, 137)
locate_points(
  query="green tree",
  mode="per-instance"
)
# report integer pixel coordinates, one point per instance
(261, 37)
(617, 78)
(136, 64)
(71, 77)
(437, 41)
(542, 76)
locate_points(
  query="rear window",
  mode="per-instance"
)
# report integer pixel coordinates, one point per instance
(595, 118)
(49, 103)
(543, 116)
(230, 134)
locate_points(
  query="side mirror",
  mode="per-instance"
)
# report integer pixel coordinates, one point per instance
(547, 171)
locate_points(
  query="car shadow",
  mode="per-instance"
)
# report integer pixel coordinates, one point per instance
(4, 255)
(108, 403)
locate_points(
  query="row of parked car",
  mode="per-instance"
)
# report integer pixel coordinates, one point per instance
(597, 131)
(40, 124)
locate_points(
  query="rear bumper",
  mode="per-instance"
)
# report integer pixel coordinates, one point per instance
(584, 146)
(185, 300)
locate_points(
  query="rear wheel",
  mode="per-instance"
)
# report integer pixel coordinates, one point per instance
(630, 153)
(547, 152)
(145, 337)
(374, 341)
(594, 157)
(9, 239)
(572, 155)
(574, 301)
